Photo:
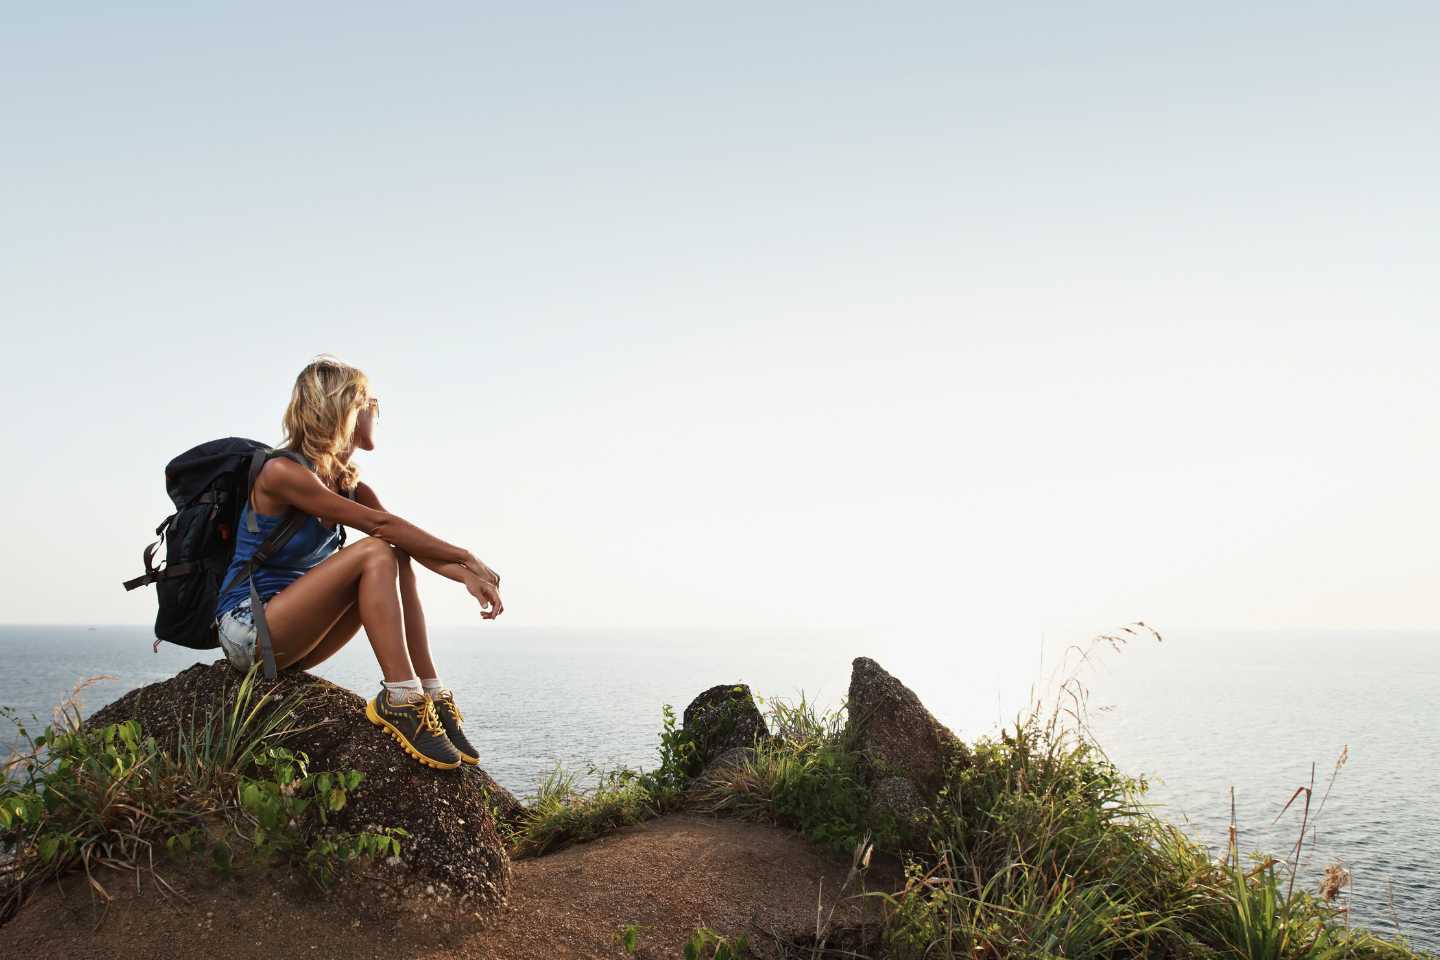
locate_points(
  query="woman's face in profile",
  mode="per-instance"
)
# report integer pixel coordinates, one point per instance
(365, 424)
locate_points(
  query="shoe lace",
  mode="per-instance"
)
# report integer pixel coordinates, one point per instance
(449, 700)
(429, 719)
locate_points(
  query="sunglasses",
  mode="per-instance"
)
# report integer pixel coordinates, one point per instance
(374, 404)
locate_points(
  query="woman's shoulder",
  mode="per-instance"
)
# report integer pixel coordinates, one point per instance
(276, 483)
(283, 467)
(287, 455)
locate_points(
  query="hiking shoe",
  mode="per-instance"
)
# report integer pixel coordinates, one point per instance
(416, 727)
(451, 718)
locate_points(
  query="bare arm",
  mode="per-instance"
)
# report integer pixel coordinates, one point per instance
(294, 485)
(482, 582)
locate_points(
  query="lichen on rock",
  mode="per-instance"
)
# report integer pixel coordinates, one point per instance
(722, 718)
(896, 735)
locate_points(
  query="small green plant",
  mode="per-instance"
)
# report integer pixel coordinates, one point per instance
(706, 944)
(508, 829)
(77, 798)
(86, 797)
(290, 809)
(213, 746)
(627, 938)
(679, 762)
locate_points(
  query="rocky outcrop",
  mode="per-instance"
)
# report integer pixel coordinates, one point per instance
(900, 800)
(897, 737)
(453, 848)
(708, 791)
(729, 760)
(723, 718)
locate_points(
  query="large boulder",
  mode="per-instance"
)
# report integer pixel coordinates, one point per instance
(723, 718)
(895, 734)
(453, 851)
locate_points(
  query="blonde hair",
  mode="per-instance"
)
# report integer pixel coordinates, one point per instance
(320, 420)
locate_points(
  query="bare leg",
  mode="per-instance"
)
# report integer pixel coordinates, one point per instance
(340, 634)
(417, 641)
(363, 574)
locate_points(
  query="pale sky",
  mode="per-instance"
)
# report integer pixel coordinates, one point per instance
(966, 321)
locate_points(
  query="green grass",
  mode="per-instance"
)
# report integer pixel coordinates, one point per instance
(1038, 846)
(562, 812)
(1041, 848)
(806, 776)
(82, 798)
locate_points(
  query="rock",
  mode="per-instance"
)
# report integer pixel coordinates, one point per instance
(733, 757)
(453, 844)
(897, 736)
(701, 793)
(899, 798)
(722, 718)
(505, 807)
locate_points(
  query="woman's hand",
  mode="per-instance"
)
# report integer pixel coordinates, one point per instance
(486, 592)
(473, 564)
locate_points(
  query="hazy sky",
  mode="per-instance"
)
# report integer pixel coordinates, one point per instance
(968, 321)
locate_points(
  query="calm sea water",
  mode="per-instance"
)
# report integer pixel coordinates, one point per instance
(1198, 717)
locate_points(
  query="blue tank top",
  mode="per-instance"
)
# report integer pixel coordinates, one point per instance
(312, 543)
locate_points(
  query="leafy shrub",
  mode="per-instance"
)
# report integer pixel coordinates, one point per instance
(679, 762)
(290, 810)
(806, 776)
(80, 797)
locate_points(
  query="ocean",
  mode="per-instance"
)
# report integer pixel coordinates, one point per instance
(1197, 716)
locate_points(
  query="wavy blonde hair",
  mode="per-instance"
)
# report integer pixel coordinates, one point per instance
(320, 420)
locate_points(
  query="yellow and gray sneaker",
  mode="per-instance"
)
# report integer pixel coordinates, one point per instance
(416, 727)
(451, 719)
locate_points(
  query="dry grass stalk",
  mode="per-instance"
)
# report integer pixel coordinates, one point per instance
(1336, 878)
(67, 712)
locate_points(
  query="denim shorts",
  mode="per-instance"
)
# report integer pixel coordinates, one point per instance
(236, 631)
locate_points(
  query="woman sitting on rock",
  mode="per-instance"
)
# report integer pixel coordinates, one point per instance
(317, 597)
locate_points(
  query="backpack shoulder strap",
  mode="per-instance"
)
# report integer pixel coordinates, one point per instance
(290, 525)
(258, 459)
(282, 535)
(273, 544)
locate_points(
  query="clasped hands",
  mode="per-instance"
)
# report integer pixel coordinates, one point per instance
(484, 585)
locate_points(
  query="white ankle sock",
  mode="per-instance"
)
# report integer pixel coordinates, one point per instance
(403, 691)
(431, 684)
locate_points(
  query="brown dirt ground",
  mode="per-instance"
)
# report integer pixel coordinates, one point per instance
(667, 876)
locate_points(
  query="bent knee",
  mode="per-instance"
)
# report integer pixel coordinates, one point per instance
(375, 552)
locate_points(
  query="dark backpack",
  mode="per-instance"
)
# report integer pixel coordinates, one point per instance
(208, 485)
